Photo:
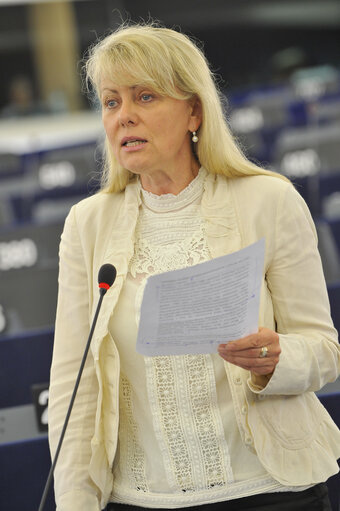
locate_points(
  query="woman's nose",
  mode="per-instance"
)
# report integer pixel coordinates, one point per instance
(127, 113)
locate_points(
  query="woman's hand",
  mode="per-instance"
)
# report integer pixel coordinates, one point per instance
(258, 353)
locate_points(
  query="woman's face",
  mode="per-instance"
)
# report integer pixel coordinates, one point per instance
(148, 132)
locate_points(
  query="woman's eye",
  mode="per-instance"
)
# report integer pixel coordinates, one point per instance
(146, 97)
(110, 103)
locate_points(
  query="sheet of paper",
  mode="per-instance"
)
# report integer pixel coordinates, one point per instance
(195, 309)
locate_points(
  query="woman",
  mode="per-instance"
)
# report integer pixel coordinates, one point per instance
(241, 428)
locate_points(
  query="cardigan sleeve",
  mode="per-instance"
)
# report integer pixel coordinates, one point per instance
(310, 355)
(74, 489)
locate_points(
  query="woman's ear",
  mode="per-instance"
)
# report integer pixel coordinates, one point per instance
(196, 114)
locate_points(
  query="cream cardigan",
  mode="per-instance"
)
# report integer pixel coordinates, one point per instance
(282, 420)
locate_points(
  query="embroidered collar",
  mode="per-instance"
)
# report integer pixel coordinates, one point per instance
(170, 202)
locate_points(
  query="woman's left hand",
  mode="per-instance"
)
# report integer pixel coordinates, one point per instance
(258, 353)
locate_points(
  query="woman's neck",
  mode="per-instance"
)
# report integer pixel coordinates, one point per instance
(160, 183)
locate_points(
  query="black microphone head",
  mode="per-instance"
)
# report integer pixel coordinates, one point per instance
(106, 275)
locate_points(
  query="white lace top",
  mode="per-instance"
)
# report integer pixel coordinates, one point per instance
(191, 450)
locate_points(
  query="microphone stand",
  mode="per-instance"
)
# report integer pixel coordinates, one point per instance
(87, 347)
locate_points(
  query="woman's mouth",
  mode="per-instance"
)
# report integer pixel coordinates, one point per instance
(133, 143)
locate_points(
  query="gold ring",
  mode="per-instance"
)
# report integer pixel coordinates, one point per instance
(263, 352)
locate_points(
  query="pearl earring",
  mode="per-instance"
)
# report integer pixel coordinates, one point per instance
(194, 137)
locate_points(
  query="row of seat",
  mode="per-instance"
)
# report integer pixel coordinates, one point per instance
(35, 142)
(25, 361)
(46, 164)
(263, 117)
(28, 299)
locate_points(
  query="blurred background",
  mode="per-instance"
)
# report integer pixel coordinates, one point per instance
(278, 63)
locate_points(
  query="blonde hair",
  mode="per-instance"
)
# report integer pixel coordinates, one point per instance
(170, 63)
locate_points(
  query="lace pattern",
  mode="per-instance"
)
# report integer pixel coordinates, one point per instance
(150, 259)
(207, 420)
(187, 422)
(161, 252)
(129, 444)
(168, 421)
(168, 202)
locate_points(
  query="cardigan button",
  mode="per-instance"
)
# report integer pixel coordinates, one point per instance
(244, 409)
(238, 380)
(248, 440)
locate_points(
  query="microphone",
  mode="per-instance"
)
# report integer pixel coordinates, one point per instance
(106, 277)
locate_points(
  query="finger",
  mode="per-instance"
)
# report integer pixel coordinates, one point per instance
(259, 365)
(249, 346)
(264, 364)
(265, 371)
(255, 341)
(252, 341)
(251, 353)
(254, 367)
(272, 351)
